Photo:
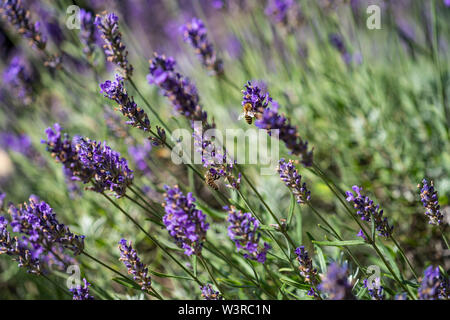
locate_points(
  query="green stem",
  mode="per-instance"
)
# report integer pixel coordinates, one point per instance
(146, 210)
(56, 285)
(149, 106)
(105, 265)
(404, 257)
(444, 237)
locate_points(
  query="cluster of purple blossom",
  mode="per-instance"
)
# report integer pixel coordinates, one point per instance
(367, 210)
(116, 91)
(81, 292)
(335, 284)
(215, 159)
(115, 50)
(19, 79)
(429, 198)
(208, 293)
(181, 92)
(88, 32)
(269, 119)
(375, 289)
(131, 260)
(90, 161)
(434, 286)
(19, 17)
(43, 239)
(243, 229)
(194, 33)
(185, 223)
(293, 180)
(307, 270)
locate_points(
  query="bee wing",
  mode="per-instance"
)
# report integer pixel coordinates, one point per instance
(241, 116)
(251, 114)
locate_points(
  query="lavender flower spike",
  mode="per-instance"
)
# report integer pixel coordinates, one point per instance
(289, 174)
(336, 284)
(255, 96)
(185, 223)
(181, 92)
(271, 120)
(19, 17)
(244, 231)
(115, 90)
(115, 50)
(194, 33)
(367, 210)
(429, 198)
(376, 291)
(134, 265)
(63, 150)
(434, 285)
(13, 246)
(306, 269)
(88, 32)
(18, 78)
(208, 293)
(82, 292)
(37, 221)
(110, 170)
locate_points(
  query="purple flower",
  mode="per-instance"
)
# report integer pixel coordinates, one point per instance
(89, 161)
(88, 32)
(434, 285)
(17, 249)
(194, 33)
(257, 97)
(2, 200)
(367, 210)
(131, 260)
(114, 49)
(115, 90)
(306, 269)
(289, 174)
(18, 143)
(215, 159)
(338, 43)
(63, 150)
(19, 79)
(271, 120)
(180, 91)
(19, 17)
(208, 293)
(376, 291)
(336, 284)
(284, 12)
(38, 223)
(447, 3)
(243, 229)
(429, 198)
(82, 292)
(185, 223)
(361, 235)
(110, 170)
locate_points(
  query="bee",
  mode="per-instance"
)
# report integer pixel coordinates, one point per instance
(247, 113)
(210, 180)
